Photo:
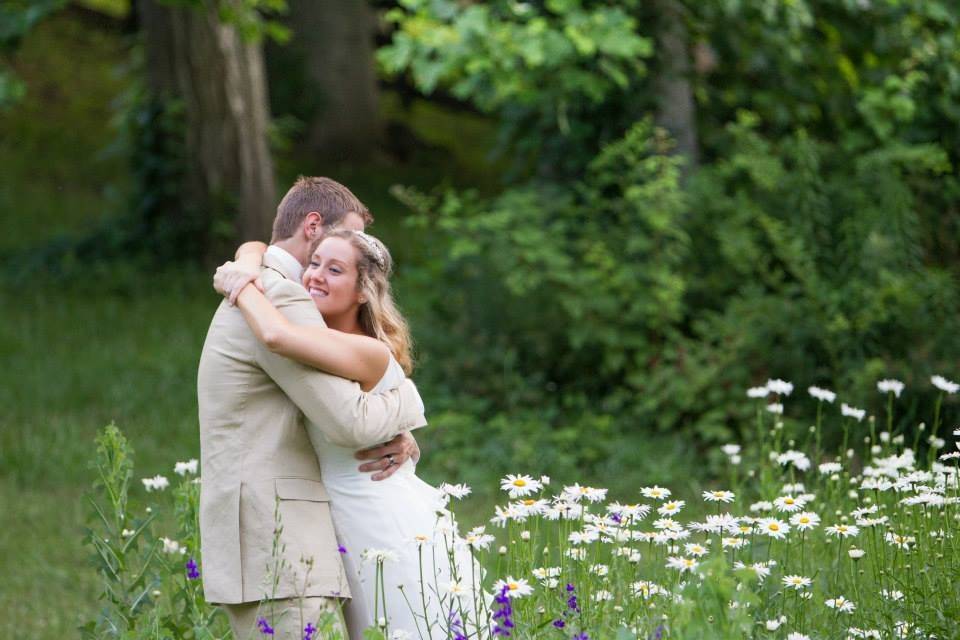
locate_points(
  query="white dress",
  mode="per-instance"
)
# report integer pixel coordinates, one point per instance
(404, 516)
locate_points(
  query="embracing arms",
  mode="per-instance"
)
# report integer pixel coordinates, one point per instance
(346, 355)
(355, 357)
(346, 415)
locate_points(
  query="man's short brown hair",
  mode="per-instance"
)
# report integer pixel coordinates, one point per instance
(329, 198)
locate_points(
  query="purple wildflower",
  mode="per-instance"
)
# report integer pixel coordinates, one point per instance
(342, 549)
(264, 626)
(559, 624)
(572, 604)
(616, 517)
(193, 572)
(569, 587)
(658, 634)
(503, 614)
(581, 636)
(456, 626)
(308, 631)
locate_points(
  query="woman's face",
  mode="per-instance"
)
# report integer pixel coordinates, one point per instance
(331, 277)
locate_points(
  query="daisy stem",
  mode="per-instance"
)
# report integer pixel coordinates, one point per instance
(423, 597)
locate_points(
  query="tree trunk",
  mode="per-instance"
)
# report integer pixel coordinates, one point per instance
(219, 77)
(335, 39)
(676, 111)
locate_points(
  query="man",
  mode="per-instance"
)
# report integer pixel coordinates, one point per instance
(258, 465)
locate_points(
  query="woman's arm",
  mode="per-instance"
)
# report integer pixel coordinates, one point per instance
(231, 277)
(346, 355)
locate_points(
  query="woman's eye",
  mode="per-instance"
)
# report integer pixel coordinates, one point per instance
(314, 265)
(335, 269)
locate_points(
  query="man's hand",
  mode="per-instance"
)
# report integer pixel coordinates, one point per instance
(232, 277)
(385, 459)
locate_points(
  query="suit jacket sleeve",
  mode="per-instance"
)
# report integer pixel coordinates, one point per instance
(345, 414)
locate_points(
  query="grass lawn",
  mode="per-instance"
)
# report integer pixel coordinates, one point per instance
(74, 362)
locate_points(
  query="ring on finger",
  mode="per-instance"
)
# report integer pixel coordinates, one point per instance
(390, 460)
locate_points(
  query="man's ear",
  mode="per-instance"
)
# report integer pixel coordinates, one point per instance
(313, 225)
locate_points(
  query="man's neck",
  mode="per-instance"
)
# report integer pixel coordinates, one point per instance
(299, 250)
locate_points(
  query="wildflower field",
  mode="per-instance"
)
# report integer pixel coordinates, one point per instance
(797, 543)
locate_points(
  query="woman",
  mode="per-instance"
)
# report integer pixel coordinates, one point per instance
(398, 524)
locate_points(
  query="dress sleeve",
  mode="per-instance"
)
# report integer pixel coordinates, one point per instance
(392, 378)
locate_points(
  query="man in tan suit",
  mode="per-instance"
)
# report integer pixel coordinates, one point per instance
(258, 465)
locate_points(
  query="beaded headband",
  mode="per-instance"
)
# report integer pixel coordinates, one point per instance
(374, 247)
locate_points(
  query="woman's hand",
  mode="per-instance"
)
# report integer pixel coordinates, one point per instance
(231, 277)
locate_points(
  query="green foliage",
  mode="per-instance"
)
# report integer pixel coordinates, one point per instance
(666, 324)
(122, 551)
(148, 592)
(604, 299)
(17, 18)
(253, 19)
(714, 608)
(811, 240)
(542, 69)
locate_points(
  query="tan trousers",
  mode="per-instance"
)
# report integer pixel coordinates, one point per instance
(287, 618)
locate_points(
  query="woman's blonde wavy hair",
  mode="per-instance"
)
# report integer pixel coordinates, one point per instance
(379, 316)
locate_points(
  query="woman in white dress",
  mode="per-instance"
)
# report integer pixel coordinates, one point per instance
(399, 524)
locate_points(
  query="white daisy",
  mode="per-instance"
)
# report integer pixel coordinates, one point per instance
(458, 491)
(670, 508)
(772, 527)
(156, 483)
(797, 583)
(945, 385)
(824, 395)
(890, 386)
(515, 587)
(805, 521)
(379, 555)
(788, 504)
(183, 468)
(852, 412)
(828, 468)
(780, 387)
(518, 486)
(841, 604)
(718, 496)
(681, 564)
(655, 492)
(456, 589)
(843, 530)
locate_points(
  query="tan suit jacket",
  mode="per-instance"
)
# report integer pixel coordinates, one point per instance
(257, 459)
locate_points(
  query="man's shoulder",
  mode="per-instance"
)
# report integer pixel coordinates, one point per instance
(276, 285)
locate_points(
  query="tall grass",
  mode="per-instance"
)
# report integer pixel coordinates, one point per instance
(74, 361)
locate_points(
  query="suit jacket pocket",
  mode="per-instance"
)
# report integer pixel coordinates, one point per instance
(310, 545)
(301, 489)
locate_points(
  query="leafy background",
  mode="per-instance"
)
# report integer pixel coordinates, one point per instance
(586, 303)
